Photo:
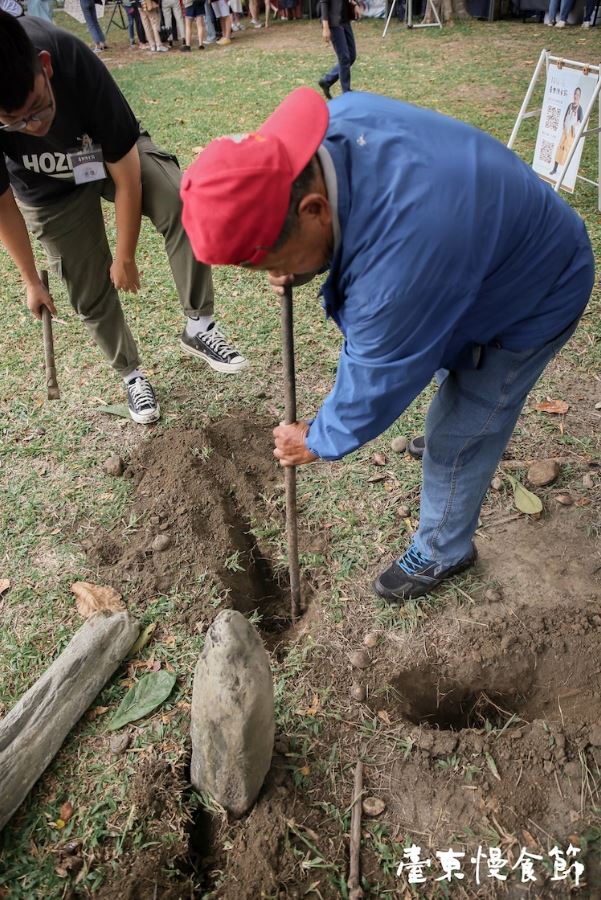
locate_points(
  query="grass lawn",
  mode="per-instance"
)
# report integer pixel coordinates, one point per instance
(136, 829)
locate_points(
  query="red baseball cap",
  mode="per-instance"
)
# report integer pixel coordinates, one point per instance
(236, 194)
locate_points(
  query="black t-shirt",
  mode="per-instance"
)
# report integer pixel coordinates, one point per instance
(87, 102)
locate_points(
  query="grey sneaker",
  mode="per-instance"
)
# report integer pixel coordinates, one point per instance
(212, 346)
(142, 403)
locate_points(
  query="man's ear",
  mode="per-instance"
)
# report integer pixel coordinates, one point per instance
(315, 206)
(46, 61)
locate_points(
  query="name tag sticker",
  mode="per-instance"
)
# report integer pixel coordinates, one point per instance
(88, 165)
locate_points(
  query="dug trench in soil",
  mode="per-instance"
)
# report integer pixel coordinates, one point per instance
(189, 529)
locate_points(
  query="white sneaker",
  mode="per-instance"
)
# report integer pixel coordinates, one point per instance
(560, 24)
(256, 24)
(586, 24)
(162, 48)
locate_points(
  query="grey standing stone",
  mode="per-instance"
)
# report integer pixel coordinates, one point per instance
(33, 731)
(233, 724)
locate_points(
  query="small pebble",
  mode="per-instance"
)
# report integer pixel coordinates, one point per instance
(493, 596)
(378, 459)
(543, 472)
(598, 405)
(358, 691)
(398, 445)
(114, 465)
(161, 542)
(497, 483)
(588, 481)
(373, 806)
(359, 659)
(403, 512)
(564, 499)
(120, 742)
(372, 639)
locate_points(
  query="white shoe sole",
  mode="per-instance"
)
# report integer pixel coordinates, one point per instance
(146, 418)
(227, 368)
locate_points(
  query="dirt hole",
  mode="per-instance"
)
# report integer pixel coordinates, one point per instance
(426, 698)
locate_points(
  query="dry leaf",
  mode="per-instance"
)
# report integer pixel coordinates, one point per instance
(383, 717)
(93, 598)
(66, 811)
(4, 585)
(306, 771)
(557, 407)
(530, 841)
(378, 459)
(95, 712)
(374, 478)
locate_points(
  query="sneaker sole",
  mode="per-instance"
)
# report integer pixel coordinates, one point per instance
(146, 418)
(227, 368)
(420, 591)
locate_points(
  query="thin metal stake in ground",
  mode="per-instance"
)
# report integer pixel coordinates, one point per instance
(354, 881)
(51, 382)
(290, 471)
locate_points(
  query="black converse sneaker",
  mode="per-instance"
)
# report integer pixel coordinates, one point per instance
(211, 346)
(143, 406)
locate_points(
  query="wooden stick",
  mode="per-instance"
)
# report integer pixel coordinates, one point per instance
(354, 881)
(51, 382)
(290, 471)
(32, 733)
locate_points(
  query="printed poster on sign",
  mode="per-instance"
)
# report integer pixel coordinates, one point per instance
(567, 95)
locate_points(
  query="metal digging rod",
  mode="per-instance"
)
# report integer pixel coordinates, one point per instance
(290, 471)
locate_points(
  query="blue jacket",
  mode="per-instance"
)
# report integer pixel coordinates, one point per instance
(448, 242)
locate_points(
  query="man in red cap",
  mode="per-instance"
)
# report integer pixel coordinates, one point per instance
(447, 255)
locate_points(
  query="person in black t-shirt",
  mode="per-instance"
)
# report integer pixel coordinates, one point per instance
(67, 139)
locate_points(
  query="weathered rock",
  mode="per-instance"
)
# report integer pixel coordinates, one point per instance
(565, 499)
(114, 465)
(403, 512)
(398, 444)
(492, 595)
(358, 691)
(161, 542)
(373, 806)
(588, 481)
(120, 742)
(497, 483)
(359, 659)
(543, 471)
(233, 724)
(372, 639)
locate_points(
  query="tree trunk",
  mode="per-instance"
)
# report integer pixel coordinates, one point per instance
(447, 10)
(32, 732)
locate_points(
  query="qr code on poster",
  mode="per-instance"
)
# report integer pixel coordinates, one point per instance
(552, 118)
(546, 151)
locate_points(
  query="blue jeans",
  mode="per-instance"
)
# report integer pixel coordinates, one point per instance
(468, 425)
(564, 9)
(135, 22)
(343, 42)
(88, 8)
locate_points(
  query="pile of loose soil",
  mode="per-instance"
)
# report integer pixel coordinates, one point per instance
(197, 494)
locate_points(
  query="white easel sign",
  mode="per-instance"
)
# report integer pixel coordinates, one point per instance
(568, 93)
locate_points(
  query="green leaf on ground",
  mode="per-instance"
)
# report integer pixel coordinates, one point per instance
(492, 765)
(525, 500)
(143, 639)
(144, 697)
(114, 409)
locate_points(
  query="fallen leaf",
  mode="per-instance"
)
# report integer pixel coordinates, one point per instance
(59, 824)
(66, 811)
(143, 698)
(530, 840)
(492, 765)
(383, 716)
(557, 407)
(95, 712)
(306, 771)
(143, 639)
(93, 598)
(4, 585)
(114, 409)
(197, 150)
(378, 459)
(373, 478)
(525, 500)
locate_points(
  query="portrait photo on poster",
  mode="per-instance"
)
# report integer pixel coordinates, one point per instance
(568, 92)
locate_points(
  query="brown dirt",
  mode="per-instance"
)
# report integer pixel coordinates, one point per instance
(201, 490)
(480, 727)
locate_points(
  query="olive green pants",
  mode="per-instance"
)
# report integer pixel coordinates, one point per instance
(73, 235)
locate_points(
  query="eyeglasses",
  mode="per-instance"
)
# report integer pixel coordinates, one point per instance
(40, 115)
